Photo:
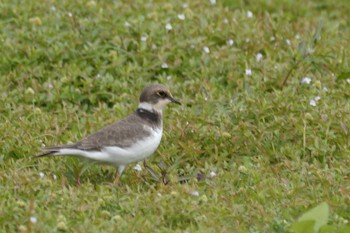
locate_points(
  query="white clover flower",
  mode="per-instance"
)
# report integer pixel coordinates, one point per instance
(317, 98)
(168, 27)
(165, 66)
(212, 2)
(272, 38)
(212, 174)
(258, 57)
(313, 103)
(168, 77)
(41, 174)
(305, 80)
(297, 37)
(230, 42)
(242, 169)
(348, 80)
(70, 14)
(181, 16)
(248, 72)
(53, 8)
(195, 193)
(247, 40)
(184, 5)
(143, 38)
(206, 49)
(226, 20)
(249, 14)
(127, 24)
(54, 177)
(138, 167)
(159, 194)
(33, 219)
(288, 41)
(205, 98)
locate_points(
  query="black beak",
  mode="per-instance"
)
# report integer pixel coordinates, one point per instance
(174, 100)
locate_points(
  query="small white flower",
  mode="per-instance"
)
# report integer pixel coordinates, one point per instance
(242, 169)
(50, 85)
(98, 76)
(195, 193)
(143, 38)
(247, 40)
(276, 67)
(313, 103)
(54, 177)
(305, 80)
(288, 41)
(317, 98)
(272, 38)
(168, 27)
(53, 8)
(212, 174)
(165, 66)
(181, 16)
(41, 174)
(184, 5)
(187, 122)
(30, 91)
(297, 37)
(212, 2)
(206, 49)
(348, 80)
(226, 20)
(325, 89)
(258, 57)
(127, 24)
(159, 194)
(250, 14)
(230, 42)
(138, 167)
(33, 219)
(205, 98)
(168, 77)
(248, 72)
(70, 14)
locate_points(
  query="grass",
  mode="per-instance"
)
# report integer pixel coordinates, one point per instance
(69, 68)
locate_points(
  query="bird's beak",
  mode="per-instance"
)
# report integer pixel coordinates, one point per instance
(174, 100)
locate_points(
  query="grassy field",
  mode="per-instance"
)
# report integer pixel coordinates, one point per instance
(262, 135)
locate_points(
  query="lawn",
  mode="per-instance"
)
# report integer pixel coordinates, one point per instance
(262, 135)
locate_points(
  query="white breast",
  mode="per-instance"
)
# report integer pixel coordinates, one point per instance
(138, 151)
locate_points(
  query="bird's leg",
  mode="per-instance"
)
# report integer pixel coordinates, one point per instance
(145, 164)
(118, 174)
(78, 180)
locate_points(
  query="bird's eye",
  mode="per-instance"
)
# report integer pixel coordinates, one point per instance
(161, 93)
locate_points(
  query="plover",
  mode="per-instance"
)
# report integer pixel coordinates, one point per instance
(130, 140)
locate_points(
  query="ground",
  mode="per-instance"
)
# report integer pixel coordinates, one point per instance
(262, 135)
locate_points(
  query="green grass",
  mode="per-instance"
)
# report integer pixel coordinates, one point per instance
(68, 68)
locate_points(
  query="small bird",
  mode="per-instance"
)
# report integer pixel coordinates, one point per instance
(129, 140)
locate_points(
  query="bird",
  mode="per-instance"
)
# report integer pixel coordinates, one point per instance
(130, 140)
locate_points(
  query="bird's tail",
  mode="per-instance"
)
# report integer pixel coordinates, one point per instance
(49, 151)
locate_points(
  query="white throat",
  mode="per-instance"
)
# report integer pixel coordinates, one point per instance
(149, 107)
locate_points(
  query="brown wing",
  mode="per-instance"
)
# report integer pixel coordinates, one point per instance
(121, 134)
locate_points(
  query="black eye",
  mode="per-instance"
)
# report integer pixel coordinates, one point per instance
(161, 93)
